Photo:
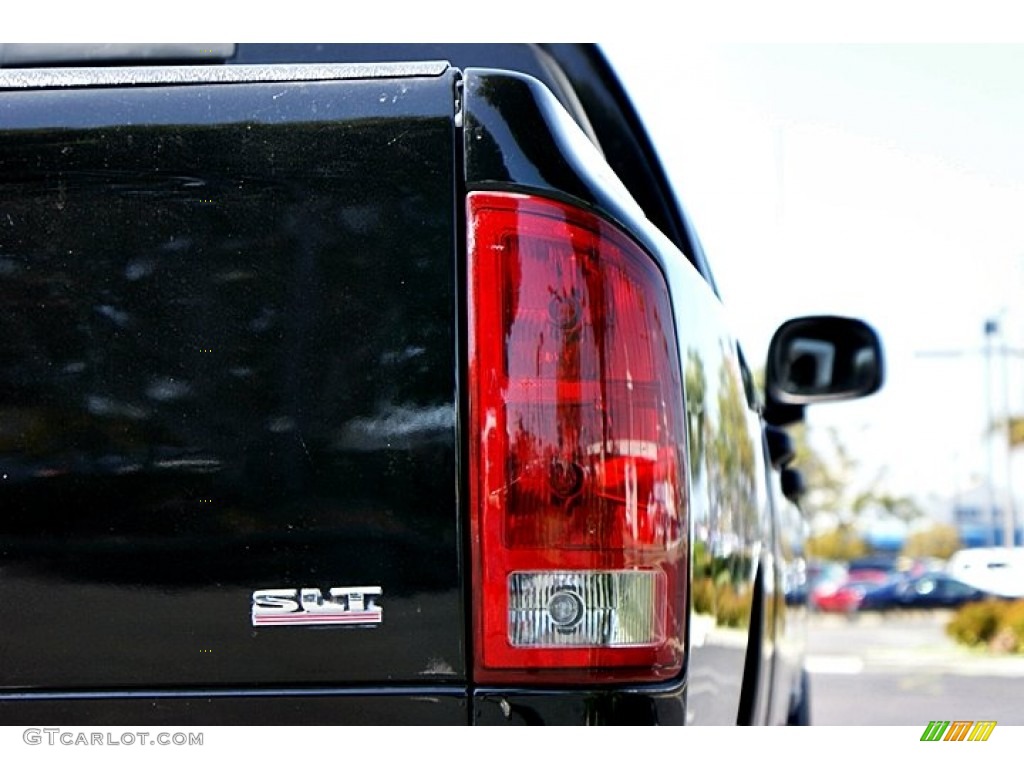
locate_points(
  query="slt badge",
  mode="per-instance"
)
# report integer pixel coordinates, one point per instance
(308, 606)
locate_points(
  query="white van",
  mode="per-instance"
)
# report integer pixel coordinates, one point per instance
(999, 570)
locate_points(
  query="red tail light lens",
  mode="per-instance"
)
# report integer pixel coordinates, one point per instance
(577, 449)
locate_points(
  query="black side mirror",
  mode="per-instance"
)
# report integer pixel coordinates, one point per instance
(823, 358)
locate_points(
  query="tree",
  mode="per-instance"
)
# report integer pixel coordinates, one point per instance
(1013, 428)
(938, 541)
(827, 479)
(841, 543)
(830, 480)
(904, 508)
(830, 477)
(1015, 434)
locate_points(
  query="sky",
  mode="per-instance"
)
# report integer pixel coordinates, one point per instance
(880, 181)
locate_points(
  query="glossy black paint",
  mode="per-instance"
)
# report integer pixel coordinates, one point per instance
(620, 133)
(781, 450)
(423, 706)
(228, 343)
(792, 483)
(518, 138)
(581, 81)
(569, 707)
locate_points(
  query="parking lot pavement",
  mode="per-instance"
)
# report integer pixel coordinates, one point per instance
(896, 642)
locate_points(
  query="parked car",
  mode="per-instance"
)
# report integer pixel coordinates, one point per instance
(885, 563)
(380, 384)
(877, 569)
(930, 590)
(846, 596)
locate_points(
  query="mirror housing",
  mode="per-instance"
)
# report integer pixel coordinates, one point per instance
(822, 359)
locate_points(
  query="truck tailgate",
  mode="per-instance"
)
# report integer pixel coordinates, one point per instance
(228, 452)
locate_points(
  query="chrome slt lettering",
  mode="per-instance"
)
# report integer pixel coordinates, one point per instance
(352, 606)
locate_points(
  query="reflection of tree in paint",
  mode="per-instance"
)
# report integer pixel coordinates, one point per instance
(734, 450)
(696, 385)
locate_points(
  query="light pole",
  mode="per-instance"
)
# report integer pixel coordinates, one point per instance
(991, 329)
(1010, 513)
(1010, 518)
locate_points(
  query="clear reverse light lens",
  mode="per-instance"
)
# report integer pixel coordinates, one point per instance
(611, 609)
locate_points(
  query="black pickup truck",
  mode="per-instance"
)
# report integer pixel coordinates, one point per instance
(380, 384)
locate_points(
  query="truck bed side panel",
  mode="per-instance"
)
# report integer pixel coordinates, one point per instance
(227, 327)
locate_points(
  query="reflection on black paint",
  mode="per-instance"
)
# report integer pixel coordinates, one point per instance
(171, 337)
(194, 322)
(723, 456)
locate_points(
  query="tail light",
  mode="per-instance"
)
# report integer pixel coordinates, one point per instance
(579, 527)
